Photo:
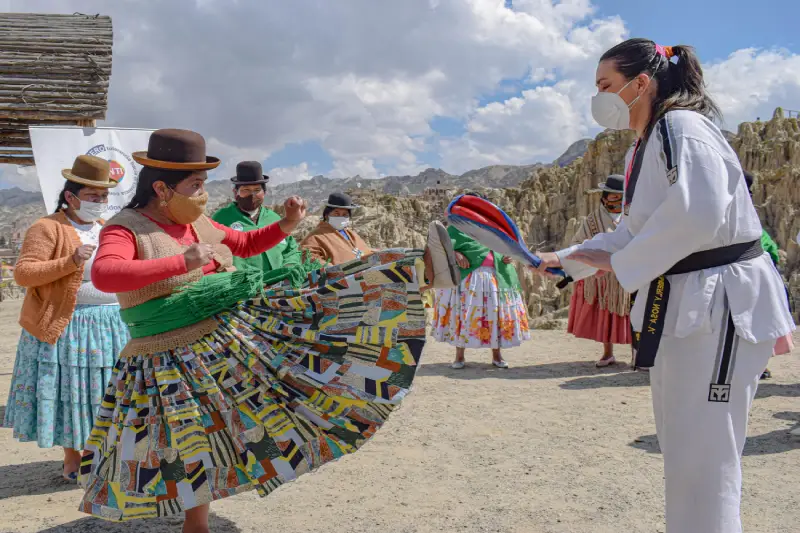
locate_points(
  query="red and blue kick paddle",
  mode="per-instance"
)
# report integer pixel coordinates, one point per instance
(493, 228)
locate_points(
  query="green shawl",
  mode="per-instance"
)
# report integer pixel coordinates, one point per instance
(475, 253)
(207, 297)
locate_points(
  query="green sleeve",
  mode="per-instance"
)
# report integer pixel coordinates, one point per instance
(770, 247)
(223, 216)
(291, 254)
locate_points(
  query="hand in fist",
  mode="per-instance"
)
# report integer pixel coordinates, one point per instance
(295, 208)
(83, 253)
(197, 256)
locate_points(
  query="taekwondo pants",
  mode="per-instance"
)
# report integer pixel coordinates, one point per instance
(703, 387)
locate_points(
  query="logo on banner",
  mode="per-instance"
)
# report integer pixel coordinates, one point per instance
(123, 170)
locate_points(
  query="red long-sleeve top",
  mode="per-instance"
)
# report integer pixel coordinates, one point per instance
(117, 267)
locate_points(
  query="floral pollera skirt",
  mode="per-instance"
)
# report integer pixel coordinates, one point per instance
(287, 382)
(56, 389)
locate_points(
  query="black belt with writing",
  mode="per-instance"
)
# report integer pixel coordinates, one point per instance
(649, 338)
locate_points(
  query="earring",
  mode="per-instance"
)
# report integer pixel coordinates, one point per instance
(163, 203)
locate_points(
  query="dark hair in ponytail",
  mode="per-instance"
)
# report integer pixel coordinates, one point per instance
(147, 177)
(69, 186)
(680, 85)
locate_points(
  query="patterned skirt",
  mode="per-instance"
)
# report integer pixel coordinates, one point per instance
(56, 389)
(489, 317)
(285, 384)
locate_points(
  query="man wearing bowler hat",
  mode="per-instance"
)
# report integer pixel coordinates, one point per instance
(246, 213)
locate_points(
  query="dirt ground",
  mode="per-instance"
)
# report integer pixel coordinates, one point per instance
(551, 445)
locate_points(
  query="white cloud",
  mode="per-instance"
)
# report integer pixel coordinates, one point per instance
(752, 83)
(536, 126)
(362, 79)
(22, 177)
(278, 176)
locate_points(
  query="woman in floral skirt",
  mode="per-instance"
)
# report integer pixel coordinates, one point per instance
(486, 310)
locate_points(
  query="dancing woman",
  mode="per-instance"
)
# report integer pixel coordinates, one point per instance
(227, 387)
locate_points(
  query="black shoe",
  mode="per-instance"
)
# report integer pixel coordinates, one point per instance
(766, 374)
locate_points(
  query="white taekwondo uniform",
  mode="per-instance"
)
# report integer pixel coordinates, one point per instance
(721, 323)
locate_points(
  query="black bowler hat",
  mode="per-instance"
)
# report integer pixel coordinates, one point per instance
(340, 200)
(614, 184)
(249, 173)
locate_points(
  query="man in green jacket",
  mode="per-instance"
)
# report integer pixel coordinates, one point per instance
(247, 213)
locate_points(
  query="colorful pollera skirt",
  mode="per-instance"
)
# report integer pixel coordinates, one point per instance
(480, 314)
(285, 384)
(56, 389)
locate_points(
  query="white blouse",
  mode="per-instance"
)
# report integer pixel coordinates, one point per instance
(88, 293)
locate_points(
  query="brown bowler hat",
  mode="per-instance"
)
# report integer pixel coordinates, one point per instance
(90, 171)
(172, 149)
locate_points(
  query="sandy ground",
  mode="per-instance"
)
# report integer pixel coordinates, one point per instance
(550, 445)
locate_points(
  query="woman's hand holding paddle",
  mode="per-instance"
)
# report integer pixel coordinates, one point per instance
(599, 259)
(549, 260)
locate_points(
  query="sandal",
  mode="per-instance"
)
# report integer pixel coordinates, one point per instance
(602, 363)
(443, 267)
(72, 476)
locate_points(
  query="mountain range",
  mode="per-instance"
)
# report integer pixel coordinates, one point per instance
(20, 208)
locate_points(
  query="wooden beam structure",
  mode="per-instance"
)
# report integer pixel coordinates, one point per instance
(54, 70)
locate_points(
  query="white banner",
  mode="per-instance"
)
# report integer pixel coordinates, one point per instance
(56, 147)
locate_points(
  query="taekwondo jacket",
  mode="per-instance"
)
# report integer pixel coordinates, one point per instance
(691, 196)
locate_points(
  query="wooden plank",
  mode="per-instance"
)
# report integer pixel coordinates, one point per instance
(50, 115)
(11, 107)
(21, 161)
(45, 82)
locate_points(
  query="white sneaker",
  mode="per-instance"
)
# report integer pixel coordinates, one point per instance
(446, 274)
(458, 365)
(500, 364)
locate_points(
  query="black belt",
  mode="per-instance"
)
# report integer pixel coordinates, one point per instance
(648, 340)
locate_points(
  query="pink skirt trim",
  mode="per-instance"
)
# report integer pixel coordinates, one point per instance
(590, 322)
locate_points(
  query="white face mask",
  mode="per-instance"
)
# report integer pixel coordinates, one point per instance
(91, 211)
(339, 223)
(610, 110)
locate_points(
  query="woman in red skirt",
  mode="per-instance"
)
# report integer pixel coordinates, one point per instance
(600, 307)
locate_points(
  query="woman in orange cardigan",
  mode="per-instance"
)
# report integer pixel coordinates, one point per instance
(71, 332)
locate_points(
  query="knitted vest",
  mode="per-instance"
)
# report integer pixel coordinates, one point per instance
(152, 242)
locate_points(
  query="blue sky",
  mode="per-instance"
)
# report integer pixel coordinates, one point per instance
(385, 87)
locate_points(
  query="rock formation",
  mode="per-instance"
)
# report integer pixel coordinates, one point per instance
(549, 203)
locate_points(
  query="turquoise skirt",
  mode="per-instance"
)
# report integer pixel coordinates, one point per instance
(57, 389)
